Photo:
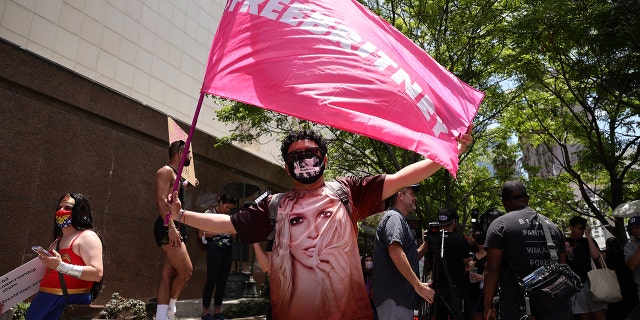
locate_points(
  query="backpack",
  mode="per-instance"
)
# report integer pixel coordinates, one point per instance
(336, 187)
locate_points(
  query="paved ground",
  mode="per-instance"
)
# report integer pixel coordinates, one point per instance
(191, 309)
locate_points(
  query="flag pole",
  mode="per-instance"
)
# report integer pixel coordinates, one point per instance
(185, 152)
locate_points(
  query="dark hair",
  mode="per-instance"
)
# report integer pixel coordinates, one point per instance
(510, 186)
(227, 198)
(578, 220)
(175, 147)
(81, 216)
(364, 272)
(82, 219)
(305, 134)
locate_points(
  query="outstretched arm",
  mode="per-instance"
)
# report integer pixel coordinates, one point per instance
(416, 172)
(216, 223)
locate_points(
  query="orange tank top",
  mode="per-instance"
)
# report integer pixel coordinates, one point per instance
(51, 281)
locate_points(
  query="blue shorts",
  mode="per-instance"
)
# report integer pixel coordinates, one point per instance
(47, 306)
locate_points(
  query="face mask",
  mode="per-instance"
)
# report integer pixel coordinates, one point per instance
(368, 265)
(63, 218)
(306, 171)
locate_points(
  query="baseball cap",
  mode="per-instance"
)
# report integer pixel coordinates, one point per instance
(634, 220)
(446, 215)
(415, 187)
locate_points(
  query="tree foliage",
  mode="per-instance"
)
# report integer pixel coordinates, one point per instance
(578, 61)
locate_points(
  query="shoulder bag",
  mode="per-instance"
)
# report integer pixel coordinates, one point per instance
(604, 283)
(549, 287)
(76, 311)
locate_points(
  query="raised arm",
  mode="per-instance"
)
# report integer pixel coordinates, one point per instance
(416, 172)
(594, 251)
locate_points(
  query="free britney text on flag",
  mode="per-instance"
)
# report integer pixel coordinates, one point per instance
(337, 63)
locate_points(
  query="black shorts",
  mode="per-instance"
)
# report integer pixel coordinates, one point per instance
(160, 231)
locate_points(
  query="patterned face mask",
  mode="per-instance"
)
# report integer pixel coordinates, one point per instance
(63, 218)
(307, 170)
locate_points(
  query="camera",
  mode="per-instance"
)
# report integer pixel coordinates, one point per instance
(432, 233)
(433, 228)
(475, 221)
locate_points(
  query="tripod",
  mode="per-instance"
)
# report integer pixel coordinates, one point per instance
(428, 310)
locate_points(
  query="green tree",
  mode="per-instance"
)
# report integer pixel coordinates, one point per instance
(577, 62)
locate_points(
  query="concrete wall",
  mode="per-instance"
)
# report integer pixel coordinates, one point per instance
(154, 51)
(61, 132)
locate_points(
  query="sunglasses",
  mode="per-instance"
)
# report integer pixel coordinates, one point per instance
(298, 155)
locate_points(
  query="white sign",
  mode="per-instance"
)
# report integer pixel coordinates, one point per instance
(21, 283)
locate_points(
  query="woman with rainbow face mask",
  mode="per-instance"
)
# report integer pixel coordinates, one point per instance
(76, 253)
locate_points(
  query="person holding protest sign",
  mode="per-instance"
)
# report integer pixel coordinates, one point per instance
(76, 254)
(315, 225)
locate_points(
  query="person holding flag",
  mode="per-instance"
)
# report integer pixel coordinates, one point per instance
(331, 62)
(315, 266)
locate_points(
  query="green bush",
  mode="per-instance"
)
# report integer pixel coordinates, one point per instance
(20, 310)
(122, 308)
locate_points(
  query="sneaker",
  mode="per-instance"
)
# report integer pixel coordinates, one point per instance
(219, 316)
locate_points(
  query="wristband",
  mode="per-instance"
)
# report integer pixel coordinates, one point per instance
(180, 215)
(70, 269)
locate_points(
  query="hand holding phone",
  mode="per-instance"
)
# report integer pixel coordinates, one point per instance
(41, 250)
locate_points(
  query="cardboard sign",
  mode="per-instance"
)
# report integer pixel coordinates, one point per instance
(176, 133)
(21, 283)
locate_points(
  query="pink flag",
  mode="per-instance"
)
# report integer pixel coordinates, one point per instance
(335, 62)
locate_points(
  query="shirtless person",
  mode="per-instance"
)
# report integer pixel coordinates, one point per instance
(176, 265)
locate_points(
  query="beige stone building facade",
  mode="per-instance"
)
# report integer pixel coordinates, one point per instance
(86, 87)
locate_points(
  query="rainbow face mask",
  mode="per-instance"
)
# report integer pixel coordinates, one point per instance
(63, 218)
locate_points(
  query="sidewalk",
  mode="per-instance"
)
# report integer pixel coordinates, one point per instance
(191, 309)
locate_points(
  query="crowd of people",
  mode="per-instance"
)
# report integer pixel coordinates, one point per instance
(311, 255)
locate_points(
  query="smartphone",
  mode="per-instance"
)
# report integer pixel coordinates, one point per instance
(41, 250)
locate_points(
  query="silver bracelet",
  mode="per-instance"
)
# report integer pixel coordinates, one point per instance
(70, 269)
